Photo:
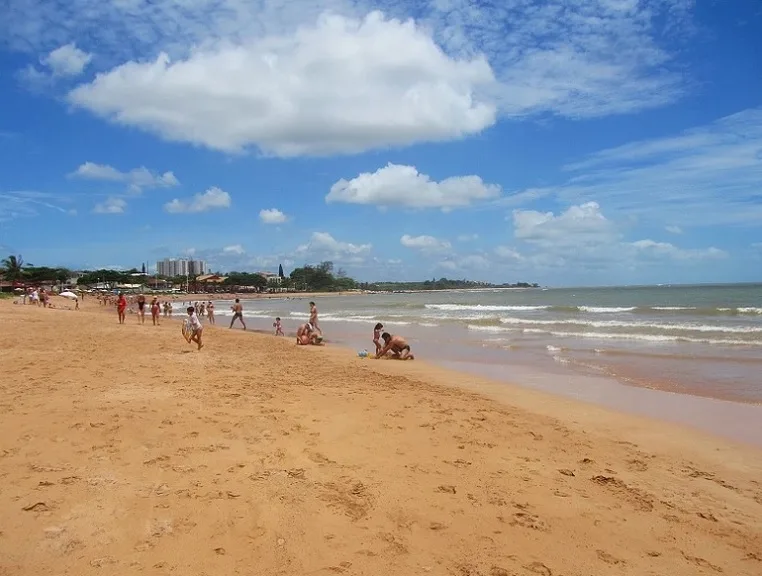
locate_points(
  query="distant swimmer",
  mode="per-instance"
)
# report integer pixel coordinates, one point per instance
(397, 345)
(306, 335)
(314, 319)
(237, 309)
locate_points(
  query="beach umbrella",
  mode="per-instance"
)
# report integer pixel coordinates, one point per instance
(70, 295)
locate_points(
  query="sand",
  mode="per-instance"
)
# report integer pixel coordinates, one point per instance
(123, 450)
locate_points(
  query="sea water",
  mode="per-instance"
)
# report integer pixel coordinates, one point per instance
(699, 340)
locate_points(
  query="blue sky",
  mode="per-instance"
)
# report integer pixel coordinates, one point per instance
(564, 142)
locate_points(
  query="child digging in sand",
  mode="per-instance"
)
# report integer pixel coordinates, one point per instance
(196, 326)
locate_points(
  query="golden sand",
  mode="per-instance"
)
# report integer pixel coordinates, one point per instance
(123, 450)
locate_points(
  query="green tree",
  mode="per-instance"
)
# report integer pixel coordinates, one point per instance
(13, 268)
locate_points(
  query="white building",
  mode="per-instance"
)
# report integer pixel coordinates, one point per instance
(171, 267)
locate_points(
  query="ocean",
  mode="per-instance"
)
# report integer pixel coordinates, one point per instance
(698, 340)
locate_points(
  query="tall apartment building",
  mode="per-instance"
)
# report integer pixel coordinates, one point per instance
(172, 267)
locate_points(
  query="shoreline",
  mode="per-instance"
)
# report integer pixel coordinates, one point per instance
(122, 447)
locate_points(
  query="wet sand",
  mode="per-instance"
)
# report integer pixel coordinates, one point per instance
(123, 450)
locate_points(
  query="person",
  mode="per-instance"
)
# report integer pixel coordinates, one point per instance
(397, 345)
(306, 335)
(196, 327)
(237, 309)
(141, 309)
(377, 336)
(278, 327)
(155, 309)
(210, 312)
(121, 307)
(314, 319)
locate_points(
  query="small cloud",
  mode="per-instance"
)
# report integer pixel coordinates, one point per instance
(213, 199)
(272, 216)
(468, 237)
(110, 206)
(136, 179)
(68, 60)
(403, 186)
(323, 245)
(234, 249)
(424, 243)
(674, 229)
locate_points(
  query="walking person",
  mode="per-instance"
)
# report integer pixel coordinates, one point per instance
(237, 309)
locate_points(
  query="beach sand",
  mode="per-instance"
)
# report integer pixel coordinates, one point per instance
(123, 450)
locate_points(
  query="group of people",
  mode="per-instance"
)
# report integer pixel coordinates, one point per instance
(309, 333)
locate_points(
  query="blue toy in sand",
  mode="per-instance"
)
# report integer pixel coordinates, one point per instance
(363, 353)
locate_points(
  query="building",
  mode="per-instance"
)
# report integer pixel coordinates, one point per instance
(171, 267)
(272, 279)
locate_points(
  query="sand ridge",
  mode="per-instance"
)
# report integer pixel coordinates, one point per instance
(123, 450)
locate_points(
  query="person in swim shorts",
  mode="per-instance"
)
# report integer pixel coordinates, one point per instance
(237, 309)
(397, 345)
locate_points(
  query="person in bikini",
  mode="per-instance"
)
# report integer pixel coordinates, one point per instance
(142, 309)
(278, 327)
(210, 312)
(237, 309)
(121, 307)
(155, 311)
(314, 319)
(377, 336)
(397, 345)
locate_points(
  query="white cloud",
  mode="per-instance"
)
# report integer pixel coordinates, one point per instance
(508, 253)
(424, 243)
(324, 246)
(574, 58)
(272, 216)
(110, 206)
(339, 86)
(468, 237)
(26, 203)
(649, 248)
(137, 179)
(578, 225)
(67, 60)
(213, 199)
(234, 249)
(674, 229)
(706, 176)
(404, 186)
(468, 262)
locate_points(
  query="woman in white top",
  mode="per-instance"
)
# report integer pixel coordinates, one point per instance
(196, 326)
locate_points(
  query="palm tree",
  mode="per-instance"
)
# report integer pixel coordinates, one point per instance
(12, 268)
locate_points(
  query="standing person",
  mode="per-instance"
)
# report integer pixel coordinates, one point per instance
(196, 326)
(237, 309)
(142, 309)
(210, 312)
(155, 310)
(278, 327)
(121, 307)
(314, 319)
(377, 336)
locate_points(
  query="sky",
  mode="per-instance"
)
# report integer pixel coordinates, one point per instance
(565, 142)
